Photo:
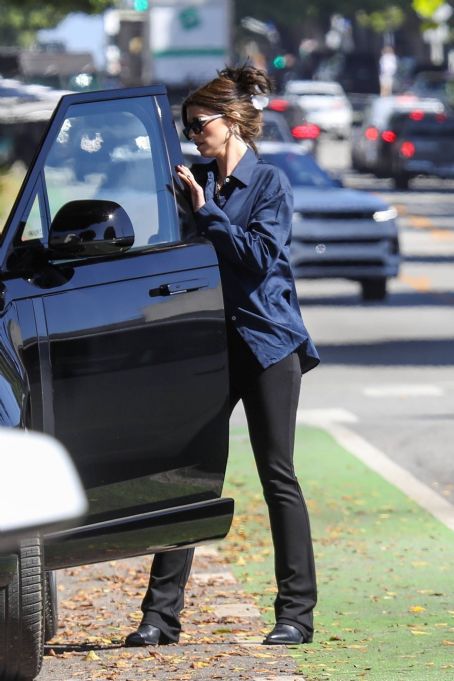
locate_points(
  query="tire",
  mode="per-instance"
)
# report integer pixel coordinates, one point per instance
(21, 616)
(401, 181)
(356, 165)
(373, 289)
(50, 605)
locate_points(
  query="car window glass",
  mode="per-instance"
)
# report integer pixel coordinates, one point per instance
(429, 127)
(112, 150)
(33, 228)
(271, 132)
(300, 170)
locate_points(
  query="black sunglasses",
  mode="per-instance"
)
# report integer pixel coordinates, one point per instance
(196, 126)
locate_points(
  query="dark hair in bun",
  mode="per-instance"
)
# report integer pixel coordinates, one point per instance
(231, 94)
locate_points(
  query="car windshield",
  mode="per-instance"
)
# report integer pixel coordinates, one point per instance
(301, 169)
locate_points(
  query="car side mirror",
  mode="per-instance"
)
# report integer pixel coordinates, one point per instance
(90, 228)
(39, 485)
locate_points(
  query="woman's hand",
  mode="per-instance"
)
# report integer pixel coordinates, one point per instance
(197, 193)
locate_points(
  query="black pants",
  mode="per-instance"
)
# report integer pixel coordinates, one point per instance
(270, 398)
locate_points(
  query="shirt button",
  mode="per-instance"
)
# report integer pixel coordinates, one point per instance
(233, 318)
(227, 179)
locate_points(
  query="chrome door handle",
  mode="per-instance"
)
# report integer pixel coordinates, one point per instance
(178, 287)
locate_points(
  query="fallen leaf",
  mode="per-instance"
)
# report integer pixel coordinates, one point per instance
(417, 608)
(416, 632)
(91, 656)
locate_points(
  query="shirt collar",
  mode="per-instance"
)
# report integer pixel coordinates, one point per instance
(242, 171)
(245, 166)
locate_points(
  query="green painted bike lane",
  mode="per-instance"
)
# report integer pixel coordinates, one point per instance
(385, 567)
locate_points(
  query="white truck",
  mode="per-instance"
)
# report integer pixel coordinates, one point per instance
(188, 40)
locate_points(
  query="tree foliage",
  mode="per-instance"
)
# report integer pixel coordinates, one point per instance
(288, 12)
(20, 21)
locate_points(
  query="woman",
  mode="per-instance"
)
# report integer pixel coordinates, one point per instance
(244, 206)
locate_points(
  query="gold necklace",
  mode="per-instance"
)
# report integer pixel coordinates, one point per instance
(219, 186)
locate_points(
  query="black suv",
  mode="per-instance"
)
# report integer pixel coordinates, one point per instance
(376, 145)
(112, 339)
(423, 145)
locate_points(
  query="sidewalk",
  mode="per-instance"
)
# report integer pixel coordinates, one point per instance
(221, 639)
(386, 603)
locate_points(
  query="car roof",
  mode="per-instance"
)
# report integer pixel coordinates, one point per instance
(313, 87)
(280, 148)
(381, 108)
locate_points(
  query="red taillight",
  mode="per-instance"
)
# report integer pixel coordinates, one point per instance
(278, 105)
(407, 149)
(309, 131)
(388, 136)
(417, 115)
(371, 134)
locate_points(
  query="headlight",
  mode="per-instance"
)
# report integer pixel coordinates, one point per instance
(383, 215)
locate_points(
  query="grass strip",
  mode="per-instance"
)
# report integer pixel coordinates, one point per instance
(385, 566)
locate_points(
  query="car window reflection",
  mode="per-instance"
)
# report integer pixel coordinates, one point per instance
(111, 152)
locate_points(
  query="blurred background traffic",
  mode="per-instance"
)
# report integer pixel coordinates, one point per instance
(367, 89)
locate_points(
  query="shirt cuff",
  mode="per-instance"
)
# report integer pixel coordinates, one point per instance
(207, 214)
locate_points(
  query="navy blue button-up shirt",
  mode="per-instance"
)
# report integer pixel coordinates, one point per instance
(249, 224)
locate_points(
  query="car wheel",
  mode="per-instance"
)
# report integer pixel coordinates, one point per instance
(356, 165)
(401, 181)
(50, 605)
(373, 289)
(21, 616)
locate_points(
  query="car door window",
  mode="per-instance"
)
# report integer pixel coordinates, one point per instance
(112, 150)
(33, 228)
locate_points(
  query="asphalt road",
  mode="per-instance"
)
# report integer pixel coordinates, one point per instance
(389, 367)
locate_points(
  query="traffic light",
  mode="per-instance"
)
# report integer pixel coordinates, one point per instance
(279, 61)
(141, 5)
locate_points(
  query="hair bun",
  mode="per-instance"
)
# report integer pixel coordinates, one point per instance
(248, 79)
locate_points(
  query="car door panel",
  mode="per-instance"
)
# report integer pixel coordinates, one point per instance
(143, 374)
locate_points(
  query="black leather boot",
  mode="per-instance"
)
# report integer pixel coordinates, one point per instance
(285, 634)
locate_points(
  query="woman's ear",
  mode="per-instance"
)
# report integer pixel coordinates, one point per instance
(233, 117)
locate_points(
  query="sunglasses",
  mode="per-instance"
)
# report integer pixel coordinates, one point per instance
(196, 126)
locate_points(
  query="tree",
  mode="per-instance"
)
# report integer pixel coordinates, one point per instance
(287, 12)
(292, 17)
(19, 22)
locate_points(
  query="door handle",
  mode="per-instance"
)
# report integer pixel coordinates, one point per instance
(177, 287)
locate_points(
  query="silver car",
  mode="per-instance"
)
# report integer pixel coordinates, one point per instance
(324, 103)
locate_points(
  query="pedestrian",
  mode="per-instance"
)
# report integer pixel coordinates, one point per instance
(388, 68)
(244, 207)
